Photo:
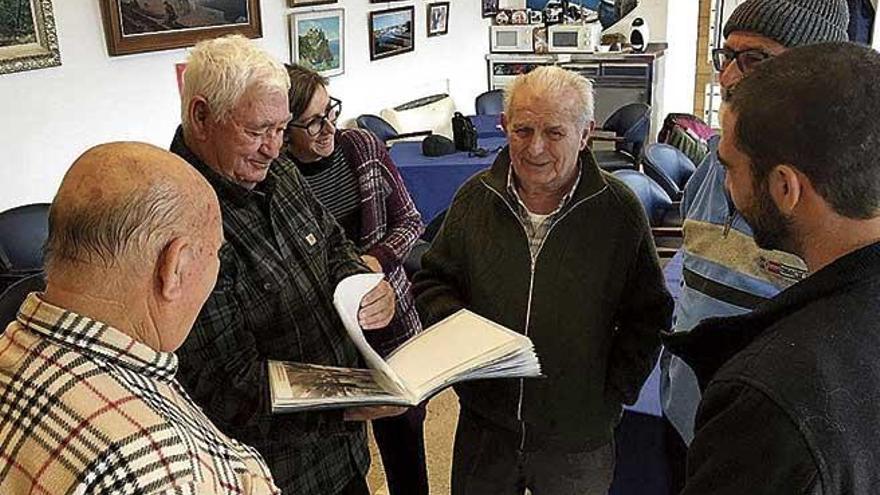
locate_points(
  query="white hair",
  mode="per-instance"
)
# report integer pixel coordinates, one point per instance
(553, 81)
(221, 70)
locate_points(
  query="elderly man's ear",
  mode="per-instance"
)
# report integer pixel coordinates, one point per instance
(585, 137)
(174, 265)
(199, 113)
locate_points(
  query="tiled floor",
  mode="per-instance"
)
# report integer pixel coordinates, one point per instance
(439, 434)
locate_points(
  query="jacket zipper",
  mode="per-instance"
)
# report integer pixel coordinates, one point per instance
(533, 261)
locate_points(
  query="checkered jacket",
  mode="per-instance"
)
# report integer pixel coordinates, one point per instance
(273, 299)
(390, 225)
(85, 409)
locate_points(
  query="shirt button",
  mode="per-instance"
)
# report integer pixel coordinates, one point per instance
(268, 286)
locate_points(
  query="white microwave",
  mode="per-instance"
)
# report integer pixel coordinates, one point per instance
(511, 38)
(574, 38)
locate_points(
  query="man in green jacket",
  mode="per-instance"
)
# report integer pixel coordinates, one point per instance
(548, 245)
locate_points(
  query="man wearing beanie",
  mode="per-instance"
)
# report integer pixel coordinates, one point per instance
(725, 272)
(791, 390)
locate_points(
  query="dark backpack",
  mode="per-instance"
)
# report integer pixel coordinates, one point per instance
(687, 133)
(464, 133)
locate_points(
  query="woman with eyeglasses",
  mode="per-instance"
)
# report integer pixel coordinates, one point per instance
(351, 173)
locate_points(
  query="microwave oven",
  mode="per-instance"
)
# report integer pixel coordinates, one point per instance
(511, 38)
(574, 38)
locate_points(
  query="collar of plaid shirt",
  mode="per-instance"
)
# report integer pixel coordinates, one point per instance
(537, 231)
(93, 338)
(225, 188)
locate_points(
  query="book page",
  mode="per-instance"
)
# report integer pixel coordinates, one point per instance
(347, 300)
(301, 386)
(460, 343)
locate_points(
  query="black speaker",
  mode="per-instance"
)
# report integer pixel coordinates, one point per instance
(638, 35)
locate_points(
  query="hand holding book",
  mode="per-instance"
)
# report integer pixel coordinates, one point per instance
(463, 346)
(377, 307)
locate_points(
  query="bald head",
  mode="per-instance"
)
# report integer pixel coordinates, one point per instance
(120, 203)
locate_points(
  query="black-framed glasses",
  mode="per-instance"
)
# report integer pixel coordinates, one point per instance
(746, 60)
(316, 124)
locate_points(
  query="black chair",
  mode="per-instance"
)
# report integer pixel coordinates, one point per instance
(490, 102)
(383, 130)
(669, 167)
(413, 261)
(23, 231)
(14, 295)
(630, 125)
(663, 213)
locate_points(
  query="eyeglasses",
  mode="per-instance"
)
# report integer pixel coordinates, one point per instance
(746, 60)
(314, 126)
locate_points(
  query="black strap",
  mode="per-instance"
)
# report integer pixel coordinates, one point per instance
(721, 292)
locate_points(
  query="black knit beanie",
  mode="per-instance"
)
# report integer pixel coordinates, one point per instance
(792, 22)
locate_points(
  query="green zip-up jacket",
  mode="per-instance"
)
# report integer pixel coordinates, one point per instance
(594, 303)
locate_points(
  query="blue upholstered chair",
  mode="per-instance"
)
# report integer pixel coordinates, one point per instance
(14, 295)
(663, 213)
(490, 102)
(669, 167)
(383, 130)
(23, 231)
(630, 125)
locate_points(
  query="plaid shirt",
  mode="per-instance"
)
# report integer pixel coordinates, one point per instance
(274, 300)
(84, 408)
(390, 225)
(536, 231)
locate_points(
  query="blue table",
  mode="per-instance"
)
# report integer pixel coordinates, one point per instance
(433, 180)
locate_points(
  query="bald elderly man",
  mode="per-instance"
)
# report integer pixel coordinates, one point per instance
(88, 398)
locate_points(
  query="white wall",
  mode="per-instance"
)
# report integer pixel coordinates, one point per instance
(48, 117)
(875, 36)
(680, 68)
(676, 23)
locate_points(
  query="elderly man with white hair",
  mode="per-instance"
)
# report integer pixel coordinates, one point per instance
(273, 299)
(548, 245)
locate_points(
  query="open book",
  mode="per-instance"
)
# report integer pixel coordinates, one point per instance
(463, 346)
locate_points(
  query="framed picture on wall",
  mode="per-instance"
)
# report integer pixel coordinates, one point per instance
(490, 7)
(135, 26)
(27, 36)
(391, 32)
(317, 41)
(304, 3)
(438, 18)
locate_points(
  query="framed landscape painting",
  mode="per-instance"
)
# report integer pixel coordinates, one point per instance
(135, 26)
(317, 41)
(307, 3)
(27, 36)
(438, 18)
(490, 8)
(391, 32)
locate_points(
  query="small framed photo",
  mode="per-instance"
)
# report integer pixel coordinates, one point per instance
(438, 18)
(490, 8)
(136, 26)
(27, 36)
(391, 32)
(308, 3)
(317, 41)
